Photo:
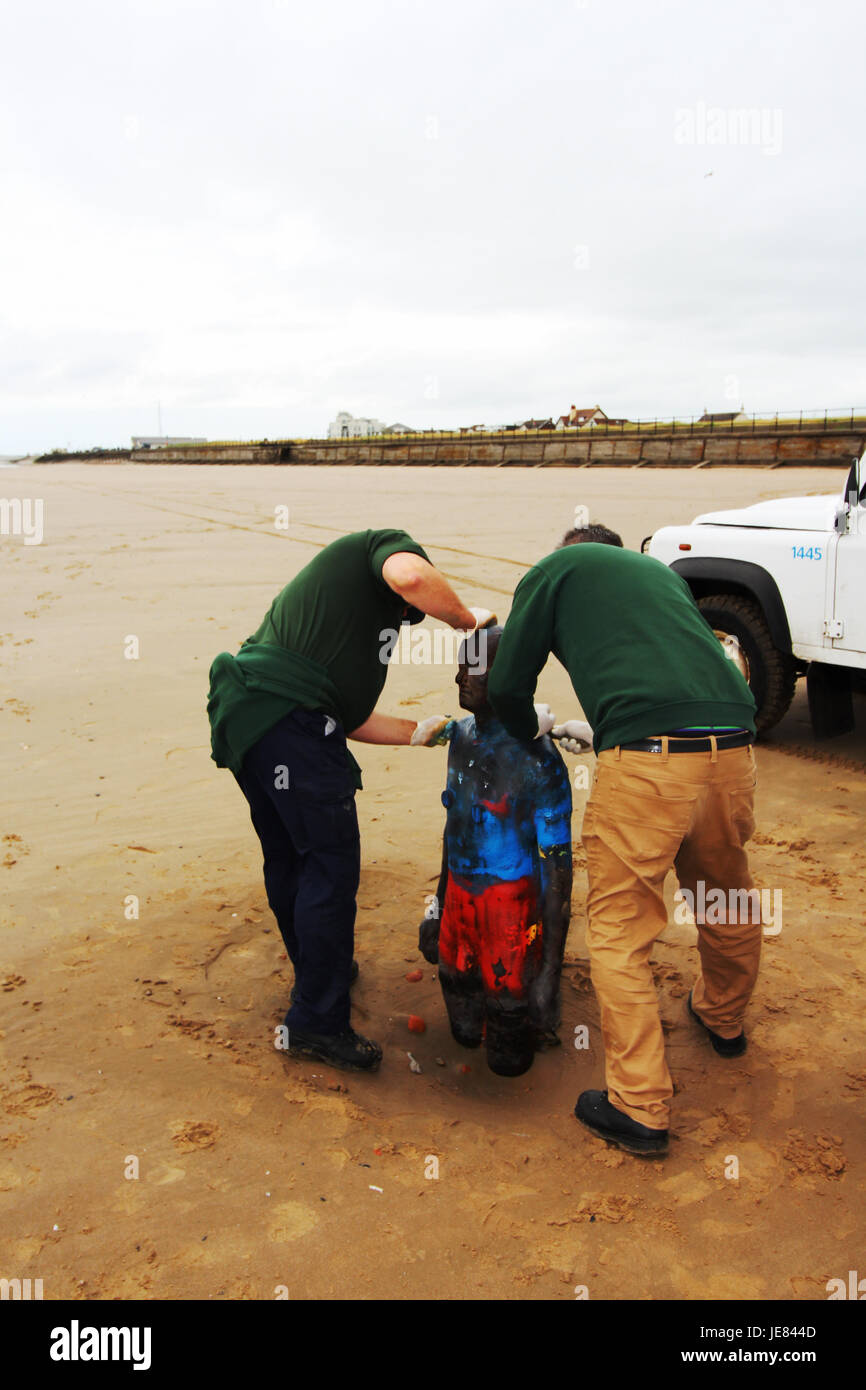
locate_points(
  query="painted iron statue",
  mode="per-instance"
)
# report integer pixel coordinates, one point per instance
(498, 922)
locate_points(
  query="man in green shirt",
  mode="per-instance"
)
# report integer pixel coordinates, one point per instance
(673, 721)
(280, 713)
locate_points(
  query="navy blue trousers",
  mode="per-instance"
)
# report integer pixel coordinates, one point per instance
(302, 804)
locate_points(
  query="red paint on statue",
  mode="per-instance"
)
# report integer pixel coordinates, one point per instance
(496, 931)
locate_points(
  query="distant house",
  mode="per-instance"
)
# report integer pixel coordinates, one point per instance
(398, 429)
(162, 441)
(727, 417)
(579, 419)
(537, 424)
(348, 426)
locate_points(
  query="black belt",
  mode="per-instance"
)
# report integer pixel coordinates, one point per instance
(677, 744)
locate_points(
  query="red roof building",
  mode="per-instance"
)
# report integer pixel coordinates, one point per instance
(579, 419)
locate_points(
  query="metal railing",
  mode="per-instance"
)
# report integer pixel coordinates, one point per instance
(791, 422)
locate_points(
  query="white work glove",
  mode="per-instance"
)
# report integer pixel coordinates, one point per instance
(546, 719)
(432, 731)
(575, 735)
(483, 618)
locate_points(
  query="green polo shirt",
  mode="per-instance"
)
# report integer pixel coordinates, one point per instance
(319, 646)
(641, 657)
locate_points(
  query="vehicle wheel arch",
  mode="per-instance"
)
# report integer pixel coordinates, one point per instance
(706, 575)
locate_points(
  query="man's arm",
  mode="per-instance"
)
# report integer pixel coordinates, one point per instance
(523, 649)
(421, 585)
(384, 728)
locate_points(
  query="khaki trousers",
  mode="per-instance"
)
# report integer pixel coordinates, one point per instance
(648, 813)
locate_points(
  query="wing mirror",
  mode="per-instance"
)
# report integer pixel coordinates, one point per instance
(850, 498)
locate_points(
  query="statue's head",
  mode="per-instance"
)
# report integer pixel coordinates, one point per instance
(474, 660)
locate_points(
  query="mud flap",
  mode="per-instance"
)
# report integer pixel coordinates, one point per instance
(831, 708)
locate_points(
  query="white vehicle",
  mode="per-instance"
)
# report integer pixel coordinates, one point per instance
(787, 579)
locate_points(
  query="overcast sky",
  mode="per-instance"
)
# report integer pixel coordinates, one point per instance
(259, 213)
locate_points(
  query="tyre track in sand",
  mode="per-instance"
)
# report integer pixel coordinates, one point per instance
(300, 540)
(804, 752)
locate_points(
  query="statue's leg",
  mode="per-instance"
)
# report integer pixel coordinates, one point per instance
(510, 1040)
(463, 992)
(510, 955)
(459, 975)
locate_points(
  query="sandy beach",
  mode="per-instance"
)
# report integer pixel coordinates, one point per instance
(142, 974)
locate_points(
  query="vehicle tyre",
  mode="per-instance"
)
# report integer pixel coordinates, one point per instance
(772, 675)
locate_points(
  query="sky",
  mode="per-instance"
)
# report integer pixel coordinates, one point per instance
(232, 220)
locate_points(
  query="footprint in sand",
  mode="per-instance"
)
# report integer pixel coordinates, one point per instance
(189, 1135)
(10, 1177)
(610, 1207)
(757, 1167)
(17, 850)
(685, 1188)
(165, 1174)
(291, 1220)
(670, 976)
(28, 1098)
(822, 1156)
(17, 707)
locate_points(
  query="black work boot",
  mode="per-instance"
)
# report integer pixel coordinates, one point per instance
(347, 1051)
(602, 1119)
(726, 1047)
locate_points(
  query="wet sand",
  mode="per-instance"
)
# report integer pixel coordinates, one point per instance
(150, 1038)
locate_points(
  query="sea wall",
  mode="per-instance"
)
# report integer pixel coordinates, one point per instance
(602, 449)
(769, 447)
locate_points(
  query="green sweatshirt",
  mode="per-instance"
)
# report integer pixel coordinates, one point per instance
(319, 646)
(641, 657)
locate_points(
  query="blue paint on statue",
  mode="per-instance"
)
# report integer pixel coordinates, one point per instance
(506, 801)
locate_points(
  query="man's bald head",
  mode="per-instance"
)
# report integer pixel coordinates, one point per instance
(594, 533)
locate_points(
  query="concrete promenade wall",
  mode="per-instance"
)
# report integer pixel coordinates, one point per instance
(768, 447)
(212, 453)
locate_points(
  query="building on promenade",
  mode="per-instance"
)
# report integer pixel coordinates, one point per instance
(348, 426)
(579, 419)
